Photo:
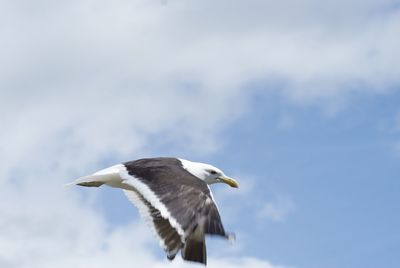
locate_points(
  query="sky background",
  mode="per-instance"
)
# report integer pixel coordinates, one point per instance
(297, 100)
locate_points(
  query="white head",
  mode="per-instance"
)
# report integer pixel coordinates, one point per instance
(207, 173)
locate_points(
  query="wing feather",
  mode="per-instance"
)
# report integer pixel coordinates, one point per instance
(169, 239)
(183, 199)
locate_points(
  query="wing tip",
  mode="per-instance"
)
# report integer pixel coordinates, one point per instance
(195, 251)
(231, 238)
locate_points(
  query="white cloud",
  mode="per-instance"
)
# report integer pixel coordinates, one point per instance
(312, 49)
(84, 81)
(43, 224)
(52, 138)
(277, 209)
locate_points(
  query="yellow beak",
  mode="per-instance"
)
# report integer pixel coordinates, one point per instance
(231, 182)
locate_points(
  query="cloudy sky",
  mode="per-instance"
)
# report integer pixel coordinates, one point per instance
(298, 100)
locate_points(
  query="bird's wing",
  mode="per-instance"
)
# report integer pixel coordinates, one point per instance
(169, 239)
(184, 200)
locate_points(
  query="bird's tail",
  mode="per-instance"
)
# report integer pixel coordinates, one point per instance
(195, 251)
(88, 181)
(108, 175)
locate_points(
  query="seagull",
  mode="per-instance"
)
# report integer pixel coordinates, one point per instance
(174, 198)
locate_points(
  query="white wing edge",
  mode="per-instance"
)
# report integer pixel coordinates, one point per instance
(144, 213)
(151, 197)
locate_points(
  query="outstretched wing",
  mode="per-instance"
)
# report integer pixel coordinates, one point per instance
(169, 239)
(184, 200)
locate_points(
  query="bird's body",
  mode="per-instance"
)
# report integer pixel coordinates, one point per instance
(173, 196)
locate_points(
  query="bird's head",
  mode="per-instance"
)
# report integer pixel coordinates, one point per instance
(208, 173)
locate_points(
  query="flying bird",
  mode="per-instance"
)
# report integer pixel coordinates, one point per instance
(173, 196)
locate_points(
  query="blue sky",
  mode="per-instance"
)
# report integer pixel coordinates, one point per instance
(339, 171)
(299, 104)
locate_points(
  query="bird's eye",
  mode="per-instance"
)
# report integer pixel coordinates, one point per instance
(213, 172)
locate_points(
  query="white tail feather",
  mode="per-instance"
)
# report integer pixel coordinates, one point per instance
(108, 176)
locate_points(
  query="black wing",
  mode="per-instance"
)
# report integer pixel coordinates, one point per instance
(170, 239)
(187, 198)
